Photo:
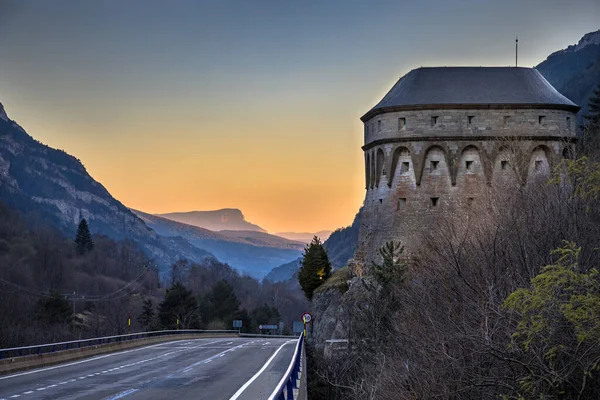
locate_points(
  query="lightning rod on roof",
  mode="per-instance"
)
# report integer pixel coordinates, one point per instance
(517, 52)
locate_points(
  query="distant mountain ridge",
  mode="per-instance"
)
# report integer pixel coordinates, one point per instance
(54, 185)
(230, 219)
(251, 252)
(305, 237)
(575, 71)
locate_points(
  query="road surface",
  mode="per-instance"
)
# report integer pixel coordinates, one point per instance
(211, 369)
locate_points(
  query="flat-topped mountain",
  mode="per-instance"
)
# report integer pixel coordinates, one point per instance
(217, 220)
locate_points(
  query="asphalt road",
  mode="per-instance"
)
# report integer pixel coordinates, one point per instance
(210, 369)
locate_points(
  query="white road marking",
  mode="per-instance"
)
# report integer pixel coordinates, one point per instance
(241, 390)
(35, 371)
(126, 393)
(123, 394)
(28, 392)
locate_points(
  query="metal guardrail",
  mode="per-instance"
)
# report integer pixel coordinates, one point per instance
(289, 382)
(77, 344)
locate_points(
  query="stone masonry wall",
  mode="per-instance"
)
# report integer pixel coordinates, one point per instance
(421, 165)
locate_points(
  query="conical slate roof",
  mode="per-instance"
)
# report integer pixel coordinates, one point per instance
(449, 87)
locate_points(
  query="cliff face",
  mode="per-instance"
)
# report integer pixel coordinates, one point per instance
(217, 220)
(55, 186)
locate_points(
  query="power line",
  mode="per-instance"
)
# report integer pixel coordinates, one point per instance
(80, 297)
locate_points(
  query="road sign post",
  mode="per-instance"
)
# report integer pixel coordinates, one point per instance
(237, 324)
(307, 319)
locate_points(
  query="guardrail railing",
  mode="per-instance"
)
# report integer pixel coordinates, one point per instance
(289, 382)
(76, 344)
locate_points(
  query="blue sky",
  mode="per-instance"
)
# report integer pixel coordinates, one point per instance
(154, 95)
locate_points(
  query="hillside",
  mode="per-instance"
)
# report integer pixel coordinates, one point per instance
(217, 220)
(575, 71)
(340, 248)
(253, 253)
(56, 187)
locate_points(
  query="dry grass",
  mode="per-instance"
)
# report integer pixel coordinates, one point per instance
(338, 279)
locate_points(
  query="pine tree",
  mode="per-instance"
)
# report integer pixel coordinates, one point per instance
(391, 271)
(225, 302)
(179, 309)
(315, 267)
(83, 238)
(146, 318)
(594, 107)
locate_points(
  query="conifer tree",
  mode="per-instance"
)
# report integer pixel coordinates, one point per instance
(594, 107)
(315, 267)
(179, 309)
(146, 318)
(83, 238)
(391, 271)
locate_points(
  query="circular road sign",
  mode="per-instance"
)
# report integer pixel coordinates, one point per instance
(260, 327)
(307, 317)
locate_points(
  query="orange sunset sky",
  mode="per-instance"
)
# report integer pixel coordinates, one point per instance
(200, 105)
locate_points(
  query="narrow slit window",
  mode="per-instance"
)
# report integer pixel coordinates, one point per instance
(469, 165)
(434, 201)
(404, 167)
(470, 201)
(401, 203)
(503, 164)
(538, 165)
(470, 119)
(542, 119)
(434, 120)
(379, 126)
(401, 124)
(380, 201)
(506, 119)
(568, 123)
(434, 165)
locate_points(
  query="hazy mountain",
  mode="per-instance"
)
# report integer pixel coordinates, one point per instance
(284, 272)
(217, 220)
(575, 71)
(55, 186)
(251, 252)
(263, 239)
(340, 247)
(304, 237)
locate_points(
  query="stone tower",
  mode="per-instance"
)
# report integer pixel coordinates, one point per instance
(441, 138)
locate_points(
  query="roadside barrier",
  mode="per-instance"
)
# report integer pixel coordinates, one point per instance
(78, 344)
(288, 388)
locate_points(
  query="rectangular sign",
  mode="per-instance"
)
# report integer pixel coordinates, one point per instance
(298, 327)
(237, 323)
(269, 327)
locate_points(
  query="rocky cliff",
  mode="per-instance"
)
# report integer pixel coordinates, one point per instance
(56, 187)
(217, 220)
